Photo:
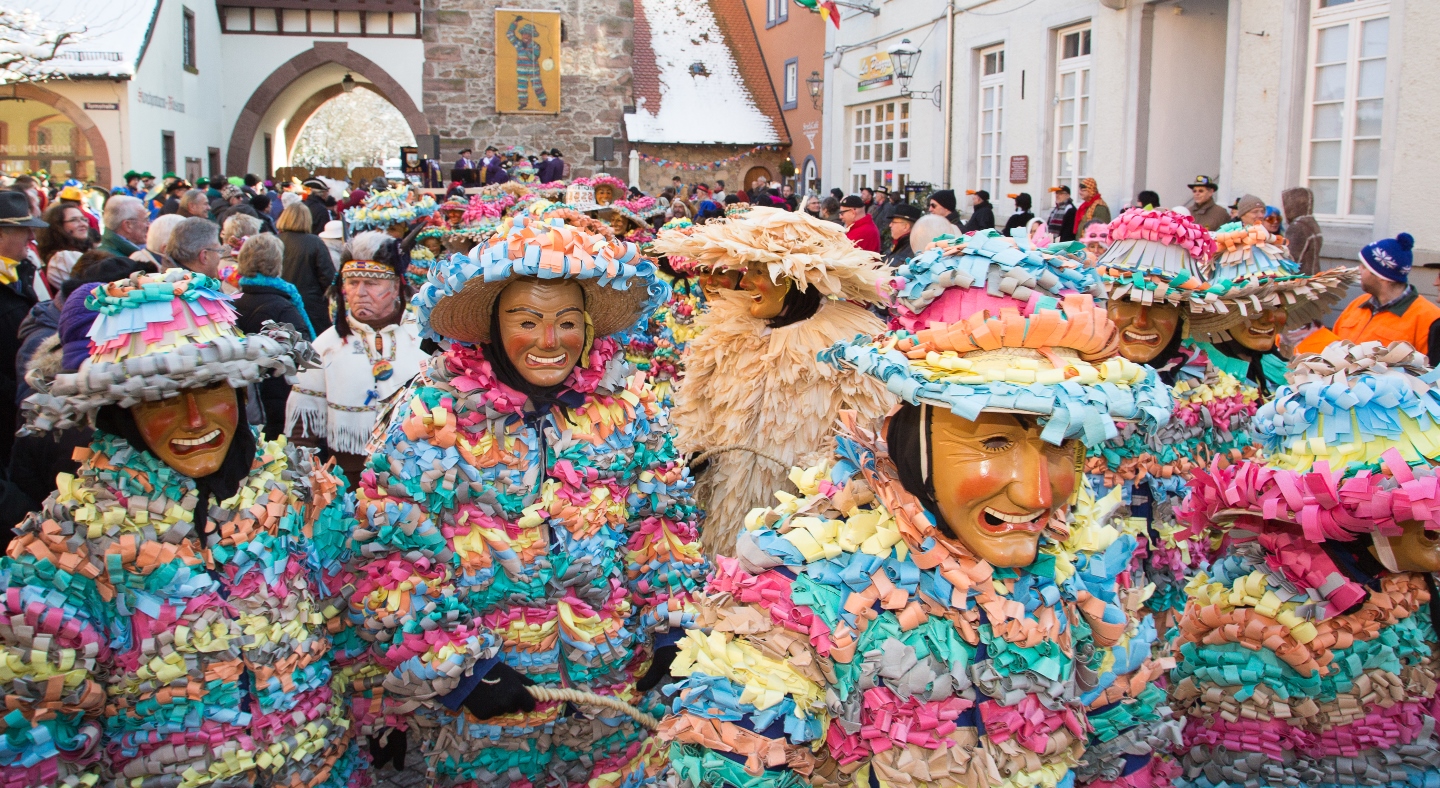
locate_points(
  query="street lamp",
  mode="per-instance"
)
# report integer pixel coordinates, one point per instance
(347, 84)
(815, 83)
(904, 56)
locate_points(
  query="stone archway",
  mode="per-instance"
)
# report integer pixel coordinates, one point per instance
(99, 151)
(301, 116)
(237, 158)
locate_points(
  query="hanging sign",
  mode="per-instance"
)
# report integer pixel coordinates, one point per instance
(876, 71)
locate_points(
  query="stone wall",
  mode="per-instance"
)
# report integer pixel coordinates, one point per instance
(654, 177)
(459, 79)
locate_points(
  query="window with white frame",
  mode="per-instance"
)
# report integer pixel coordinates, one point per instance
(880, 149)
(990, 132)
(1072, 106)
(1346, 90)
(791, 84)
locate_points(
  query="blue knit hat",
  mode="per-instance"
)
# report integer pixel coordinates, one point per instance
(1389, 258)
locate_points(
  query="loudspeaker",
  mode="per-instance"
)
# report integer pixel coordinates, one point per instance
(604, 148)
(429, 145)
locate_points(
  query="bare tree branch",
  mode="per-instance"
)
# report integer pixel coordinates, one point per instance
(29, 45)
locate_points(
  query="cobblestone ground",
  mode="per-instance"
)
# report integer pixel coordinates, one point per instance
(412, 777)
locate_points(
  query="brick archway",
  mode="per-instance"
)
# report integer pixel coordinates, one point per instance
(237, 158)
(99, 151)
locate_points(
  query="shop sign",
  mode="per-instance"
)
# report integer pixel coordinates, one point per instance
(876, 71)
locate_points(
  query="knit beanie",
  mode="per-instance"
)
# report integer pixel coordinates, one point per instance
(1389, 258)
(946, 198)
(75, 322)
(1248, 203)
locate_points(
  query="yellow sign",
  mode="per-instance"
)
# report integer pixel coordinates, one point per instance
(876, 71)
(527, 61)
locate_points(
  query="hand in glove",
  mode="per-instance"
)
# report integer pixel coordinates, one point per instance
(659, 669)
(501, 691)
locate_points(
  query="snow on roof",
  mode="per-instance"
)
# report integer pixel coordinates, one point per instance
(113, 38)
(689, 87)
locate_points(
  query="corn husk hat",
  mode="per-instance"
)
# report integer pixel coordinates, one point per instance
(989, 323)
(812, 252)
(382, 209)
(620, 286)
(678, 263)
(157, 335)
(1254, 269)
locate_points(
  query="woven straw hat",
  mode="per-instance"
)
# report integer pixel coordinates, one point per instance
(1254, 269)
(620, 286)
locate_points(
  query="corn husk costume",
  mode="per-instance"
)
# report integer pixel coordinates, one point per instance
(160, 635)
(855, 641)
(556, 537)
(1306, 655)
(755, 399)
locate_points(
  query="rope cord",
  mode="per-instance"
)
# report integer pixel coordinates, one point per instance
(705, 455)
(580, 696)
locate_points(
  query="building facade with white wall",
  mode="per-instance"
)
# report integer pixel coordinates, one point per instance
(199, 87)
(1263, 94)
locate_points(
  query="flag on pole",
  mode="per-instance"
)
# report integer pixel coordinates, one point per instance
(827, 10)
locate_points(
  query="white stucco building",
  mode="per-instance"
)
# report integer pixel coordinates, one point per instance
(1337, 95)
(200, 88)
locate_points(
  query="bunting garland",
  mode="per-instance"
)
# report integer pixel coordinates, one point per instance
(714, 165)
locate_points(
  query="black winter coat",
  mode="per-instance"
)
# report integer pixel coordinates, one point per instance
(319, 213)
(982, 219)
(36, 460)
(15, 303)
(901, 254)
(257, 304)
(308, 266)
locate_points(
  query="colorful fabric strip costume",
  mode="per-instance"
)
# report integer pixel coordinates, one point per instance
(557, 538)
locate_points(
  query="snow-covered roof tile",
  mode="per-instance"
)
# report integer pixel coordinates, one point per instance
(697, 82)
(113, 37)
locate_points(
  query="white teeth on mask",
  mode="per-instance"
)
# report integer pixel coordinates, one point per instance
(200, 441)
(534, 359)
(1014, 518)
(1264, 332)
(1135, 336)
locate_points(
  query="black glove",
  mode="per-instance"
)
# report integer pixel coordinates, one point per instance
(502, 691)
(392, 751)
(659, 668)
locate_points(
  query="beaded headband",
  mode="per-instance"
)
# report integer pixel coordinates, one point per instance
(367, 269)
